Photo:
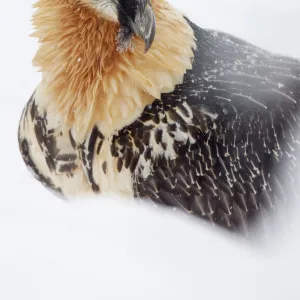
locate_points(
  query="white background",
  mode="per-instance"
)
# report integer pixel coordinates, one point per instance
(110, 249)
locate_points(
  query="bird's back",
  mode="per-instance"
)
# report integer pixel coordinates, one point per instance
(239, 111)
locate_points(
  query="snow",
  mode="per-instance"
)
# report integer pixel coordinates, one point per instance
(113, 248)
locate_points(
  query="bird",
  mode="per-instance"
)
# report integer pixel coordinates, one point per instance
(138, 100)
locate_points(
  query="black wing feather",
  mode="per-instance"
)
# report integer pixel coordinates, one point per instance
(245, 104)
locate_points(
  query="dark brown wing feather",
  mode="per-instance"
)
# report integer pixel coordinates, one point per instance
(245, 106)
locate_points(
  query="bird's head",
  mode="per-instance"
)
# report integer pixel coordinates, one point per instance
(92, 56)
(135, 17)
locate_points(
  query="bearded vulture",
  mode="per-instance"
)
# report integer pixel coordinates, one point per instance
(137, 100)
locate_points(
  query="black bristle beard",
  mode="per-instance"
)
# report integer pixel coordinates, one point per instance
(125, 38)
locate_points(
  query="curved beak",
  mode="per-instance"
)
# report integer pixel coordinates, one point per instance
(144, 25)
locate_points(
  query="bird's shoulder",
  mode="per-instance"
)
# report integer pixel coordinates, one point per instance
(228, 71)
(49, 152)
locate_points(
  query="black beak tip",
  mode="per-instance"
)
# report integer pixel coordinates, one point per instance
(148, 44)
(147, 48)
